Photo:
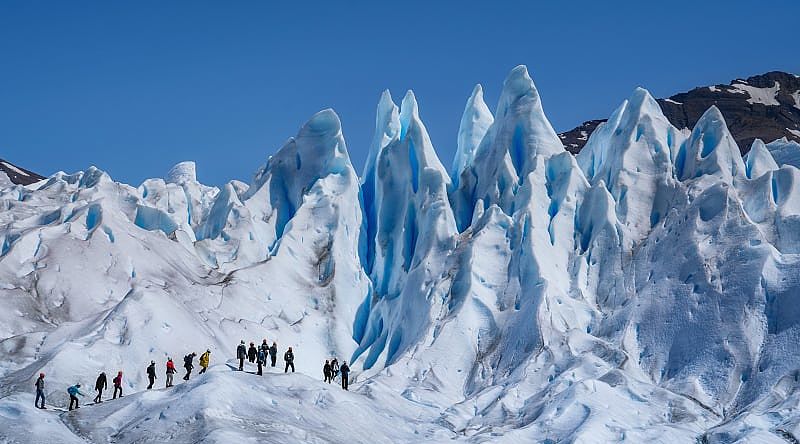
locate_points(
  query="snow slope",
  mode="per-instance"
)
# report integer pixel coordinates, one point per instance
(641, 291)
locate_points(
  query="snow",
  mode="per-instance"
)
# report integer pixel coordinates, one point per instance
(674, 101)
(766, 96)
(785, 152)
(796, 97)
(643, 290)
(794, 131)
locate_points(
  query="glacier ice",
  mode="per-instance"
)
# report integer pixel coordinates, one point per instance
(643, 290)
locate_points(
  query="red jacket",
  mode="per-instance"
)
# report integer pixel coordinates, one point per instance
(118, 381)
(170, 367)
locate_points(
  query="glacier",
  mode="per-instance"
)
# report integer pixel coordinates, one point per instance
(643, 290)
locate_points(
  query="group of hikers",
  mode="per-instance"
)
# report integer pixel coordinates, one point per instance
(252, 354)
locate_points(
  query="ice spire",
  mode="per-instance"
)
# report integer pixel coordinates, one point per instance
(182, 172)
(710, 150)
(475, 121)
(506, 153)
(759, 160)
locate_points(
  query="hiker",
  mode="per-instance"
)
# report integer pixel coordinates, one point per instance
(151, 374)
(264, 347)
(262, 359)
(99, 385)
(188, 364)
(273, 353)
(334, 367)
(241, 355)
(39, 391)
(252, 353)
(326, 371)
(118, 385)
(74, 391)
(170, 371)
(204, 359)
(345, 375)
(289, 358)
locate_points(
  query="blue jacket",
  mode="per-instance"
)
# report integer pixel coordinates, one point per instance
(74, 391)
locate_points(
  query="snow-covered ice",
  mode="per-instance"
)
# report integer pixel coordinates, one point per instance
(642, 291)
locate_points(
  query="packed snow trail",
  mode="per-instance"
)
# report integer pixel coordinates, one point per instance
(645, 290)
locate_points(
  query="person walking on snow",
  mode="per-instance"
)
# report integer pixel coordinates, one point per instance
(99, 385)
(204, 359)
(118, 385)
(334, 367)
(170, 371)
(39, 392)
(241, 355)
(273, 353)
(345, 375)
(74, 391)
(188, 364)
(289, 358)
(326, 371)
(151, 374)
(252, 353)
(264, 347)
(262, 359)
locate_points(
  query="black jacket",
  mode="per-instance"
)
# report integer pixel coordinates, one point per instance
(252, 352)
(101, 383)
(151, 370)
(288, 356)
(344, 369)
(273, 351)
(326, 370)
(241, 352)
(187, 361)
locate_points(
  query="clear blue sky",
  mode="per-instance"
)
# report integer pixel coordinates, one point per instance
(134, 87)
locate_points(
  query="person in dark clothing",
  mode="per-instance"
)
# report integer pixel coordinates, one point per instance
(252, 353)
(241, 355)
(118, 385)
(151, 374)
(188, 364)
(39, 391)
(326, 371)
(264, 347)
(262, 359)
(74, 391)
(99, 385)
(289, 358)
(170, 371)
(273, 353)
(345, 375)
(334, 367)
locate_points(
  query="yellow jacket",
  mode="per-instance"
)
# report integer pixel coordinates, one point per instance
(204, 358)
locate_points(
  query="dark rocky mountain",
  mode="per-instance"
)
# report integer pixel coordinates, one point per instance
(765, 106)
(17, 174)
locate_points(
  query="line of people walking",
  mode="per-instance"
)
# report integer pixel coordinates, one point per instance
(254, 355)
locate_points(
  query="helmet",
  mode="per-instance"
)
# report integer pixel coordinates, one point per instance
(152, 362)
(77, 385)
(208, 350)
(242, 341)
(41, 375)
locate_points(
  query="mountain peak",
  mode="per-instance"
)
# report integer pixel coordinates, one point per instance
(765, 106)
